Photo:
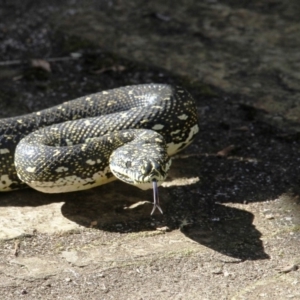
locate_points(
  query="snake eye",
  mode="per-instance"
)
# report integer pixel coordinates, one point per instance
(128, 164)
(147, 168)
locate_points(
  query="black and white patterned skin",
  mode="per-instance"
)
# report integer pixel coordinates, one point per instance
(71, 146)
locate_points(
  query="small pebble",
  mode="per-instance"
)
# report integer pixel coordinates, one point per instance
(269, 217)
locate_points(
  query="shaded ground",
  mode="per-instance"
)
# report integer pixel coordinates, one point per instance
(230, 228)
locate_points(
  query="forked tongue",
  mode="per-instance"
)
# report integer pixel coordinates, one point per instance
(155, 198)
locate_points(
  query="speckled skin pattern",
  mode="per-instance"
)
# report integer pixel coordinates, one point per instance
(69, 147)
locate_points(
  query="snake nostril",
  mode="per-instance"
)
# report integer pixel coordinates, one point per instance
(128, 164)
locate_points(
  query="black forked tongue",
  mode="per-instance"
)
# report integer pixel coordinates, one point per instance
(155, 198)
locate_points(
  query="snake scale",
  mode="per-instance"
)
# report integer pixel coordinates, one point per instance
(128, 132)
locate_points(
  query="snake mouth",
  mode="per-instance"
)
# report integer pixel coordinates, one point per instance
(123, 176)
(142, 182)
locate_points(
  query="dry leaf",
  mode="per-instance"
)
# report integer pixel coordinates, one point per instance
(17, 248)
(116, 68)
(242, 128)
(137, 204)
(288, 269)
(93, 224)
(42, 64)
(225, 151)
(163, 228)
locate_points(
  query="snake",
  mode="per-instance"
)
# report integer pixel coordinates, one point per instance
(128, 133)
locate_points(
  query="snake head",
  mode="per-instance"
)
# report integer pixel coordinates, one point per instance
(141, 161)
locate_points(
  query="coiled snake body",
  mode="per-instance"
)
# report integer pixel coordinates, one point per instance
(79, 144)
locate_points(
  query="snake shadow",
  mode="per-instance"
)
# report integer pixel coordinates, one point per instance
(230, 231)
(227, 230)
(118, 207)
(190, 207)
